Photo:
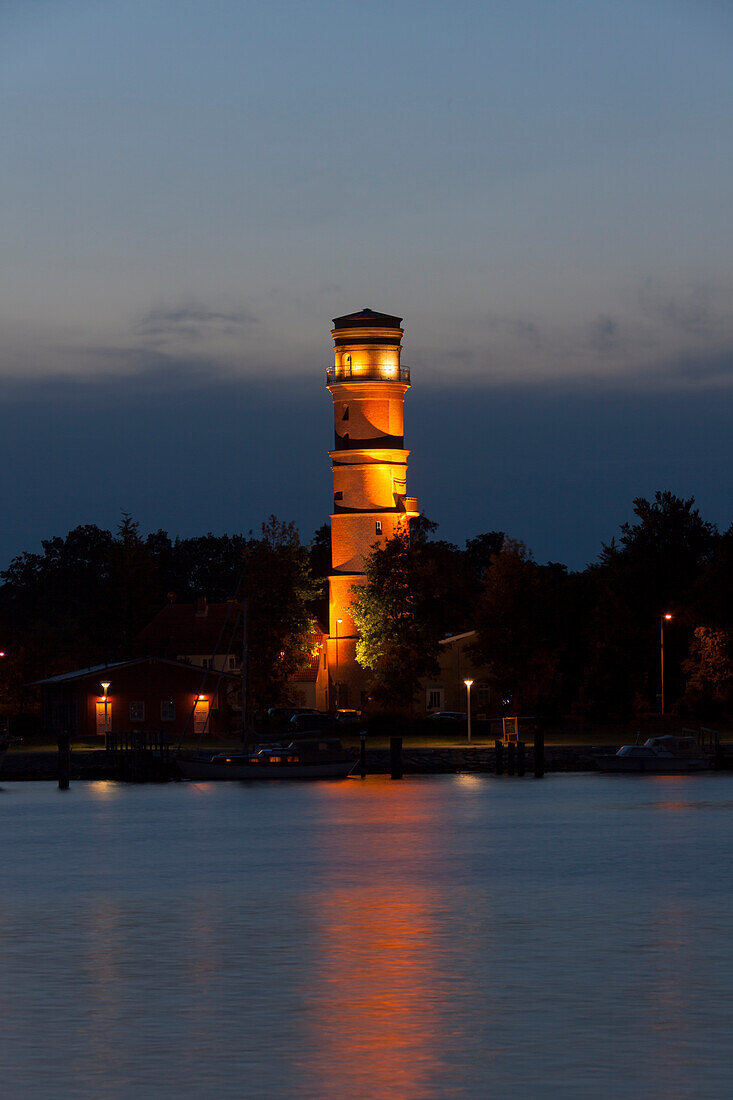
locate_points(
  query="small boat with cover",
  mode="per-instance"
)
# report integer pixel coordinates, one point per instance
(668, 755)
(315, 758)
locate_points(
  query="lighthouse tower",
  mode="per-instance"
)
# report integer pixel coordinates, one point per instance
(369, 464)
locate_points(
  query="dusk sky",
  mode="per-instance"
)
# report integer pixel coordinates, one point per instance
(192, 191)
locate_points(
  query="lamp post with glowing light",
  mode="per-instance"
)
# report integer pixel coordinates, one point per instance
(468, 706)
(338, 684)
(666, 617)
(105, 684)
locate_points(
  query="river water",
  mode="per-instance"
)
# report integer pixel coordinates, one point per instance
(451, 936)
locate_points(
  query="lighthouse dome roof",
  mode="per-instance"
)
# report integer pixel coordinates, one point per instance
(367, 318)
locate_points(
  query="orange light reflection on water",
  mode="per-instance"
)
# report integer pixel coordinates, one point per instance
(376, 998)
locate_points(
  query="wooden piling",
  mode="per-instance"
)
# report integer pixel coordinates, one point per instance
(539, 754)
(395, 757)
(362, 754)
(511, 750)
(498, 758)
(64, 761)
(520, 757)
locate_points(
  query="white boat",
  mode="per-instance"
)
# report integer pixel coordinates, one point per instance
(668, 755)
(324, 758)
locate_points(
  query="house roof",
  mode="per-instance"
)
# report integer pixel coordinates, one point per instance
(100, 670)
(188, 628)
(457, 637)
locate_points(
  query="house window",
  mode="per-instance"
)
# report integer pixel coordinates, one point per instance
(167, 711)
(233, 664)
(338, 495)
(206, 662)
(346, 413)
(434, 699)
(137, 712)
(379, 526)
(483, 696)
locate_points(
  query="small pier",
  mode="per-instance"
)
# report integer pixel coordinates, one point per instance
(139, 756)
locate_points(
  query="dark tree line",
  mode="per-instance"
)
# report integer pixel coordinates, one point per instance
(84, 600)
(554, 642)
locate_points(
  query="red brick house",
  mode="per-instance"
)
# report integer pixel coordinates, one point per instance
(201, 634)
(198, 633)
(146, 693)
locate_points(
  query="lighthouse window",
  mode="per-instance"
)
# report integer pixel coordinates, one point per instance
(379, 526)
(346, 413)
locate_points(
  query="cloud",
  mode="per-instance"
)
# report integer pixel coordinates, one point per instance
(701, 309)
(191, 322)
(605, 333)
(653, 335)
(714, 368)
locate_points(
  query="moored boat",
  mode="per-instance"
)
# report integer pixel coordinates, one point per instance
(323, 758)
(668, 755)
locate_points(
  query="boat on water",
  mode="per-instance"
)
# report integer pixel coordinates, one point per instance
(668, 755)
(322, 758)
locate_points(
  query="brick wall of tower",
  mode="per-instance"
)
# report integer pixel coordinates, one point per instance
(354, 535)
(368, 417)
(368, 485)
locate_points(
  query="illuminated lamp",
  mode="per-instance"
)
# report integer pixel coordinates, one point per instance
(468, 706)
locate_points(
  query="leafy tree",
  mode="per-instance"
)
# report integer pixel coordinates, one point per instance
(320, 552)
(709, 670)
(652, 569)
(480, 552)
(279, 587)
(56, 605)
(519, 619)
(400, 613)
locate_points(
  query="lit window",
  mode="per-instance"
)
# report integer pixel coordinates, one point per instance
(167, 711)
(434, 699)
(379, 526)
(137, 712)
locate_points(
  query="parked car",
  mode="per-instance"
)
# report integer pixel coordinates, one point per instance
(348, 715)
(314, 720)
(446, 717)
(285, 714)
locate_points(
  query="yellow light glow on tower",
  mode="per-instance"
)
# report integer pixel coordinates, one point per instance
(369, 464)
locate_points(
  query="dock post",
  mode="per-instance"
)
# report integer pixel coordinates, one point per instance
(64, 760)
(520, 757)
(498, 758)
(510, 757)
(395, 757)
(539, 754)
(362, 753)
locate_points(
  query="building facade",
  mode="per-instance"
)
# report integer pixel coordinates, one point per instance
(447, 690)
(369, 463)
(146, 693)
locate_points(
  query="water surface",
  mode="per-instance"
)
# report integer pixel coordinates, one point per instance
(448, 936)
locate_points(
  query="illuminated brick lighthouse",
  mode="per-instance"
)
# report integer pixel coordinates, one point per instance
(369, 464)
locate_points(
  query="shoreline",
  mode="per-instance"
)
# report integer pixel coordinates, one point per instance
(91, 764)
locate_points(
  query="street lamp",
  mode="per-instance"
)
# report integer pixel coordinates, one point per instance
(468, 706)
(666, 617)
(105, 684)
(338, 684)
